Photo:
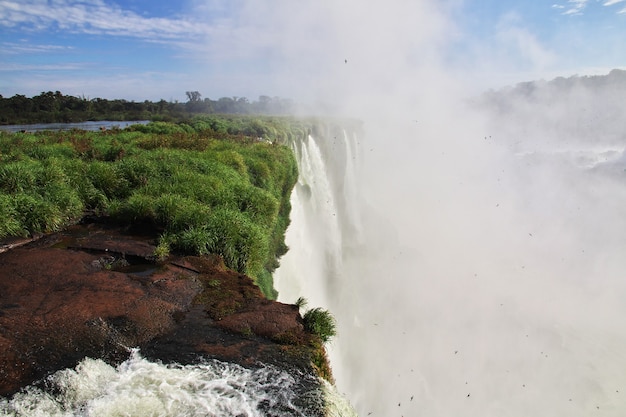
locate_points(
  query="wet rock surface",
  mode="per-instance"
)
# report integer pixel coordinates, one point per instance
(94, 290)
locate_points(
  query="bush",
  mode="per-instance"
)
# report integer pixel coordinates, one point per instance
(66, 199)
(105, 178)
(301, 302)
(37, 215)
(138, 207)
(321, 323)
(241, 242)
(17, 177)
(9, 223)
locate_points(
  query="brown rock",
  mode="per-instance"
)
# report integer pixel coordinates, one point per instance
(73, 294)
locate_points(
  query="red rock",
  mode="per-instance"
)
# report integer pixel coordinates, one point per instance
(58, 305)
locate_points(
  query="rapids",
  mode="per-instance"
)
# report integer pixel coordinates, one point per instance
(139, 387)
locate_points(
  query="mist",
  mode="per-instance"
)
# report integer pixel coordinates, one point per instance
(487, 281)
(485, 277)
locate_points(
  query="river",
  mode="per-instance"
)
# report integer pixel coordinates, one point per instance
(92, 126)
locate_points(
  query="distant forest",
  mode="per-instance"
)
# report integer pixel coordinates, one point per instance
(570, 90)
(54, 107)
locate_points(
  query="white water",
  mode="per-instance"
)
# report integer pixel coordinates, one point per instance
(139, 387)
(484, 281)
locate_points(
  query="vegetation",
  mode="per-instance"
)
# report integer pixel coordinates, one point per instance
(211, 185)
(301, 302)
(216, 185)
(321, 323)
(52, 107)
(320, 361)
(317, 321)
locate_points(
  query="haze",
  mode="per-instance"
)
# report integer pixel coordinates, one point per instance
(487, 277)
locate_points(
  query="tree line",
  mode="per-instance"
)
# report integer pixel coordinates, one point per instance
(55, 107)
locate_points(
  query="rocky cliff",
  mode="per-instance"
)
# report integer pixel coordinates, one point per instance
(94, 290)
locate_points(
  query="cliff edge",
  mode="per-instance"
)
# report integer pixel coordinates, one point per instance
(94, 290)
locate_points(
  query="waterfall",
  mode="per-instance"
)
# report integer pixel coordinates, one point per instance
(466, 278)
(322, 220)
(326, 224)
(141, 387)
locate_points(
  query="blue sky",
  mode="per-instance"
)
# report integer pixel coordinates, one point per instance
(157, 49)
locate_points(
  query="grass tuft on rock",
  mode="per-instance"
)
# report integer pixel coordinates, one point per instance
(320, 323)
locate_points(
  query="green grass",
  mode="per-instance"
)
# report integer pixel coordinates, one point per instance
(321, 323)
(211, 185)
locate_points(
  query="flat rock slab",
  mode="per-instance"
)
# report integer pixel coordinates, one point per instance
(55, 309)
(67, 296)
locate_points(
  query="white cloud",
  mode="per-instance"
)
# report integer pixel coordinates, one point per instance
(575, 7)
(26, 48)
(95, 17)
(43, 68)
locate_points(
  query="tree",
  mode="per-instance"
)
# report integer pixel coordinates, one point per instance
(193, 96)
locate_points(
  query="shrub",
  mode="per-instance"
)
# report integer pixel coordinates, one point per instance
(265, 282)
(139, 207)
(197, 239)
(105, 178)
(16, 177)
(137, 171)
(321, 323)
(9, 223)
(37, 215)
(234, 160)
(66, 199)
(162, 251)
(301, 302)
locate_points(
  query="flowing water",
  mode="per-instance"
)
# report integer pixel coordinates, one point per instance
(92, 126)
(473, 270)
(139, 387)
(470, 275)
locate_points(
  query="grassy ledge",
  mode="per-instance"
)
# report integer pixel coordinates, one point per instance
(215, 184)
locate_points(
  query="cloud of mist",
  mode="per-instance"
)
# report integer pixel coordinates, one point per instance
(488, 278)
(334, 53)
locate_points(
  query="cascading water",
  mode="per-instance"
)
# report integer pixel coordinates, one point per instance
(139, 387)
(325, 222)
(466, 277)
(317, 233)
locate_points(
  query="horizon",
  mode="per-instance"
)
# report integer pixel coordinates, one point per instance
(480, 247)
(140, 50)
(501, 89)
